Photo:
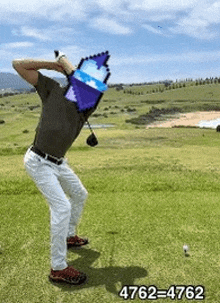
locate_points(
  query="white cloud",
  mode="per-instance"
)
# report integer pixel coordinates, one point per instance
(189, 17)
(161, 5)
(193, 18)
(161, 16)
(152, 67)
(33, 33)
(16, 11)
(16, 45)
(207, 11)
(68, 10)
(201, 22)
(75, 53)
(46, 34)
(77, 8)
(197, 31)
(110, 26)
(109, 5)
(187, 57)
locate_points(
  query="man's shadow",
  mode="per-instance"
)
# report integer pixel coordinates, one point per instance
(107, 276)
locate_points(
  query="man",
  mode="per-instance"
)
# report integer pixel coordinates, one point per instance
(59, 125)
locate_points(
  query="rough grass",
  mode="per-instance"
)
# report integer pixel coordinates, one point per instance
(150, 191)
(144, 203)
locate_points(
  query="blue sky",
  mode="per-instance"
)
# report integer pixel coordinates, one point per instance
(147, 40)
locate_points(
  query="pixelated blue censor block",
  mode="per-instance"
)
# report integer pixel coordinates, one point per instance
(88, 83)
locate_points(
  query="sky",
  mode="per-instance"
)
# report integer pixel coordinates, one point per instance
(148, 40)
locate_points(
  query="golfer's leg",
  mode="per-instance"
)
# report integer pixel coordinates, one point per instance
(77, 193)
(46, 179)
(60, 216)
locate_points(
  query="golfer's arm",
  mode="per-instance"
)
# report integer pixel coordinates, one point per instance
(67, 65)
(28, 68)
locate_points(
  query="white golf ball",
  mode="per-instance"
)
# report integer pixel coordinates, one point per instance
(185, 248)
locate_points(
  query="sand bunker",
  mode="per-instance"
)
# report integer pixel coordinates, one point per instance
(208, 119)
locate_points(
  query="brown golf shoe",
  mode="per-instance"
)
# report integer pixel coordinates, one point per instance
(68, 275)
(76, 242)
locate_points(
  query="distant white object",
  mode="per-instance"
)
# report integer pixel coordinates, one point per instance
(185, 248)
(209, 124)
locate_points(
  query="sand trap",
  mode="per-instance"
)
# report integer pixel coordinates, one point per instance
(208, 119)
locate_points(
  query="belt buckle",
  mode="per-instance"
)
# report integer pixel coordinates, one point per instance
(46, 156)
(58, 160)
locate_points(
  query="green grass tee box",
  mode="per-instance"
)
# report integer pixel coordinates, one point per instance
(150, 192)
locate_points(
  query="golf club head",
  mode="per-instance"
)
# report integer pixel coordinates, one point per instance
(92, 140)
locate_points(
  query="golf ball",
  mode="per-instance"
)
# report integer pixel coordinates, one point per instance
(185, 248)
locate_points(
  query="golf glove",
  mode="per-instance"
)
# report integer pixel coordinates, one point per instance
(58, 55)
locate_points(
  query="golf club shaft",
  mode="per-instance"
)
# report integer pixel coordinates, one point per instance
(89, 126)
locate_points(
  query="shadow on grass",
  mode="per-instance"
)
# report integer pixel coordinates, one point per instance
(106, 276)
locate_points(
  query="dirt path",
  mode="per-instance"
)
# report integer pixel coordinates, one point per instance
(188, 119)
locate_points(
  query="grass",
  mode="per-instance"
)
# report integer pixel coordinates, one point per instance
(150, 191)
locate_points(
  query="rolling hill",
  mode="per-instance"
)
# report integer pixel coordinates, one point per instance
(15, 82)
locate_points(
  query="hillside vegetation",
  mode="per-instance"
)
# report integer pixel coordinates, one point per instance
(130, 108)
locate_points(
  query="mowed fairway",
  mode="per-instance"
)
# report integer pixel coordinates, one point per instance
(150, 192)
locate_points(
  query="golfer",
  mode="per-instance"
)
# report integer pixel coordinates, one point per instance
(60, 124)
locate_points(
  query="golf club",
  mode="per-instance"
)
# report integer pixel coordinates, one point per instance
(91, 140)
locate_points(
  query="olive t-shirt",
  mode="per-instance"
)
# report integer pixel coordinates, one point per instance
(60, 122)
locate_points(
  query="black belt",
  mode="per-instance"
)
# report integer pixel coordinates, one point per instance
(46, 156)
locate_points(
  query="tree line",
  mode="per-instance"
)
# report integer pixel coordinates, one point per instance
(169, 85)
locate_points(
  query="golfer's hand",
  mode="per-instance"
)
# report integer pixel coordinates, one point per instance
(59, 55)
(63, 60)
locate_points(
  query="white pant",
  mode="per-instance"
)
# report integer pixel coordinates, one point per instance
(56, 182)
